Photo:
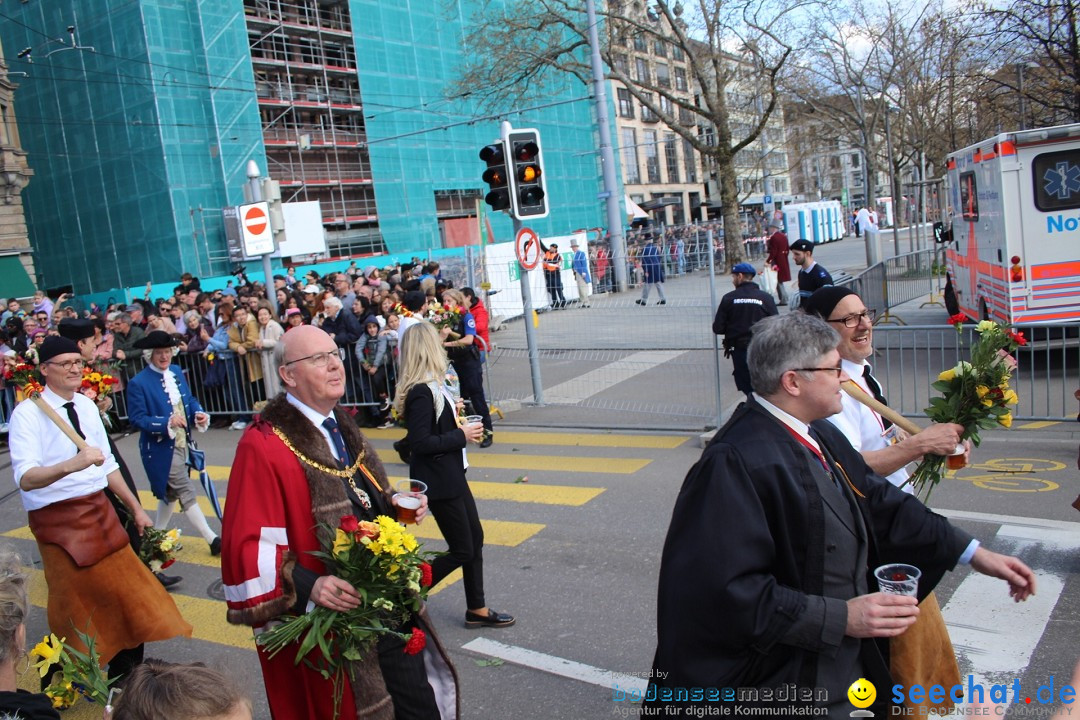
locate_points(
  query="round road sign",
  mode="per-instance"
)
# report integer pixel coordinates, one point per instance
(255, 221)
(527, 248)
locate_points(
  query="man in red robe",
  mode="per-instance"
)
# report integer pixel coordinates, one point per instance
(777, 247)
(301, 464)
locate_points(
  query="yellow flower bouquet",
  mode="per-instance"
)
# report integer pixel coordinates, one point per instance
(974, 394)
(392, 576)
(75, 674)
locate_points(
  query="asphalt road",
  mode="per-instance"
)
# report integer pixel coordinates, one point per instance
(573, 552)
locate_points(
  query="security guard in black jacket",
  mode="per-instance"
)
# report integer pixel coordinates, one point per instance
(739, 310)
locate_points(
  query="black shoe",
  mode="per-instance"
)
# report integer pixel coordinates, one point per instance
(662, 302)
(215, 547)
(167, 581)
(639, 301)
(488, 439)
(492, 619)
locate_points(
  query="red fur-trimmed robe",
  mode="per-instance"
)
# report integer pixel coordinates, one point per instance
(273, 506)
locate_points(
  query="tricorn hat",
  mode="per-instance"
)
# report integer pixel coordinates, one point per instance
(156, 339)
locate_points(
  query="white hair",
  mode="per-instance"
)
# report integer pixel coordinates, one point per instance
(332, 302)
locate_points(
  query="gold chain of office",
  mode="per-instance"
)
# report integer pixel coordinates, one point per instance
(344, 474)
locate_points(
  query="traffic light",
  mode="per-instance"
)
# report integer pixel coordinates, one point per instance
(528, 187)
(496, 176)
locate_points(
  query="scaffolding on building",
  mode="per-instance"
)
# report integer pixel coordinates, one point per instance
(308, 90)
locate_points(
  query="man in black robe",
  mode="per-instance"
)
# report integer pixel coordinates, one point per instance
(766, 578)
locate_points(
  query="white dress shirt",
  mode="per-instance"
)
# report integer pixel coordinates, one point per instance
(863, 427)
(316, 418)
(36, 441)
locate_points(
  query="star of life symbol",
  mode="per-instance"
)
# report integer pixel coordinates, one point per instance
(1062, 180)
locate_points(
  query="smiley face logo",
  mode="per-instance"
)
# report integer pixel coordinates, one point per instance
(862, 693)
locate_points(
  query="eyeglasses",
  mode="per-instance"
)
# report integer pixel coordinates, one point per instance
(68, 365)
(319, 359)
(853, 320)
(836, 370)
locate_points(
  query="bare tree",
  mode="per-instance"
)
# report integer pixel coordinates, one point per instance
(1036, 43)
(736, 53)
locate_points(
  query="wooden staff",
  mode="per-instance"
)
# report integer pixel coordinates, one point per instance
(64, 425)
(852, 388)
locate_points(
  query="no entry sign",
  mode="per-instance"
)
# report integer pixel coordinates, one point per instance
(255, 229)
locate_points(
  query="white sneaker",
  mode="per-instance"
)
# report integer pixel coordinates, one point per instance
(238, 425)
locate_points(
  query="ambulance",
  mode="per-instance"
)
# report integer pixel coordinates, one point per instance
(1014, 217)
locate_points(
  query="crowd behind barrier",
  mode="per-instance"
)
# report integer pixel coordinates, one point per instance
(231, 386)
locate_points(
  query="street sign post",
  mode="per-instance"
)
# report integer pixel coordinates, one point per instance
(258, 238)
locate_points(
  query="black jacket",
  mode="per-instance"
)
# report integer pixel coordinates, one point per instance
(739, 310)
(344, 328)
(435, 444)
(746, 551)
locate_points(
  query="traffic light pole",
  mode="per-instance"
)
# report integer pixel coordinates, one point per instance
(530, 331)
(607, 154)
(255, 193)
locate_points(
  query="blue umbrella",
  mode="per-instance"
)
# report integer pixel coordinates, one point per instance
(196, 460)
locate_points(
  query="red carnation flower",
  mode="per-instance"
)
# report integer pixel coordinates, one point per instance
(349, 523)
(957, 319)
(167, 563)
(1017, 337)
(416, 643)
(425, 575)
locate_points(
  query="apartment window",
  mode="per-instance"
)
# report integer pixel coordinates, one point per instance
(690, 160)
(780, 186)
(660, 48)
(652, 157)
(631, 168)
(686, 116)
(671, 158)
(4, 138)
(680, 79)
(855, 160)
(622, 64)
(642, 71)
(639, 43)
(663, 77)
(665, 106)
(676, 52)
(647, 114)
(626, 103)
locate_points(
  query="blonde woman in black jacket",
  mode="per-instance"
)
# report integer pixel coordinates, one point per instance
(438, 457)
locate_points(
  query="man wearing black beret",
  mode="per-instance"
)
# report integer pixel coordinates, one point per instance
(811, 275)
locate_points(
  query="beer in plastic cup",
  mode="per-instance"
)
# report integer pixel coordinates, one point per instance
(898, 579)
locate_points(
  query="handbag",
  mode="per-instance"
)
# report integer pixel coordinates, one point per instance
(768, 280)
(215, 373)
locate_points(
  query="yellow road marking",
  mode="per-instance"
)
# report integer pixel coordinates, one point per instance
(530, 492)
(1038, 425)
(195, 551)
(446, 582)
(511, 437)
(527, 492)
(496, 532)
(206, 616)
(519, 461)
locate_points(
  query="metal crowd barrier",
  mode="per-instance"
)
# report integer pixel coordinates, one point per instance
(232, 391)
(909, 359)
(894, 281)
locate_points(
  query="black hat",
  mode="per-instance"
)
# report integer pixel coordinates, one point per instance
(802, 246)
(76, 329)
(55, 345)
(414, 300)
(825, 300)
(155, 339)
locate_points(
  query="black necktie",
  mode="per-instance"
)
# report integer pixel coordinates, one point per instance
(74, 418)
(339, 443)
(875, 390)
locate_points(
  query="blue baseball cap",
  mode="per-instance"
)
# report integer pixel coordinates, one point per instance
(745, 268)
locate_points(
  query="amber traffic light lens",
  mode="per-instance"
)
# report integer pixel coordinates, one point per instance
(529, 173)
